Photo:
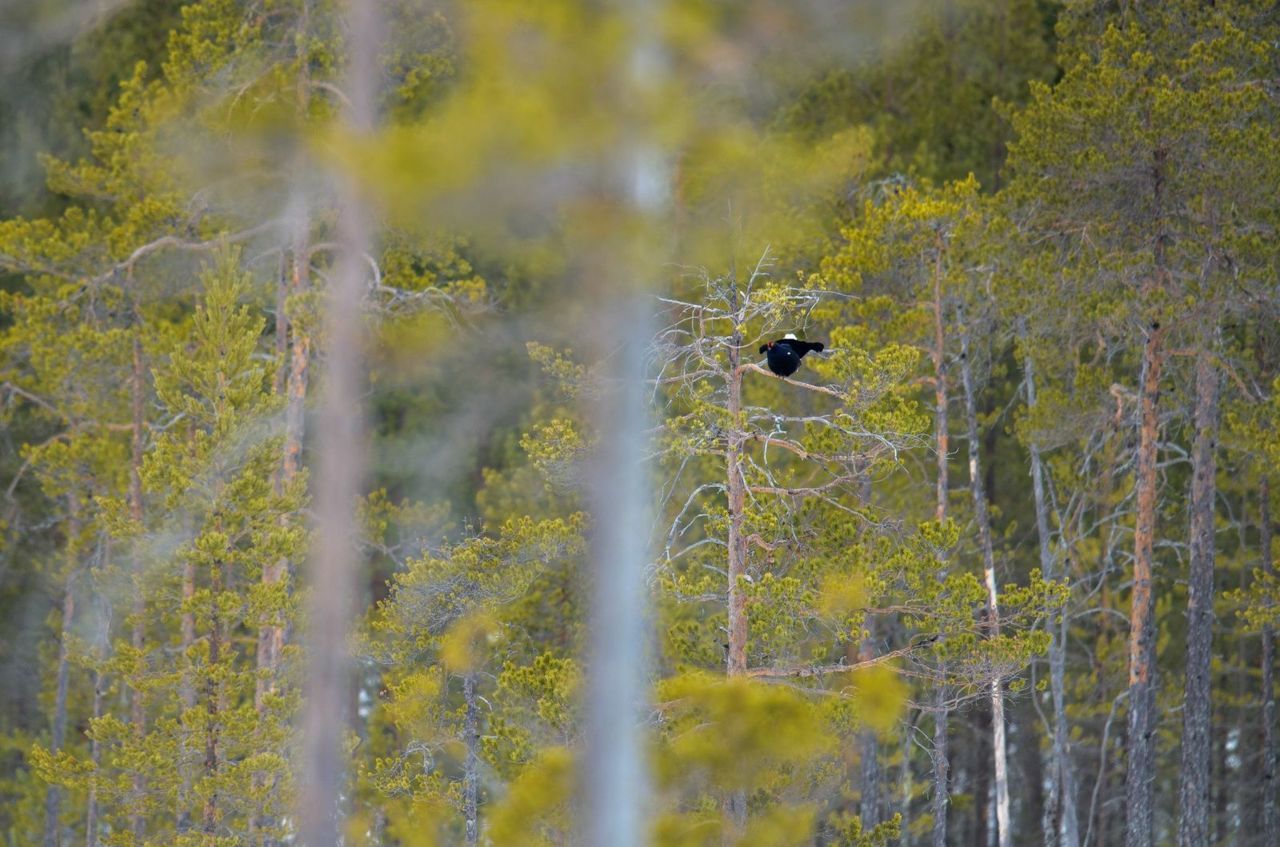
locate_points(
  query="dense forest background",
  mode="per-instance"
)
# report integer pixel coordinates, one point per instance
(389, 457)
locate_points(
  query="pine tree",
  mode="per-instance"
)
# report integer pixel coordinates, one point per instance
(1146, 141)
(801, 592)
(453, 622)
(189, 772)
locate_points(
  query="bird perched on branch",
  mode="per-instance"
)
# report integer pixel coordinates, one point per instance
(784, 355)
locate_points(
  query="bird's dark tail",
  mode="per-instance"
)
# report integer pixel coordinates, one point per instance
(809, 346)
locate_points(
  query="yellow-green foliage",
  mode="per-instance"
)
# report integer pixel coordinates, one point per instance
(536, 807)
(838, 203)
(778, 747)
(457, 613)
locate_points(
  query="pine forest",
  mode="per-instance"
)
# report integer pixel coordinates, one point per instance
(687, 423)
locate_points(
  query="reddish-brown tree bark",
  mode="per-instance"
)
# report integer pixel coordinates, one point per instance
(1140, 772)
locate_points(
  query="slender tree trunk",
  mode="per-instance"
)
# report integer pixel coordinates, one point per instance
(736, 489)
(95, 756)
(906, 783)
(979, 774)
(53, 794)
(294, 374)
(293, 350)
(271, 629)
(137, 823)
(188, 631)
(941, 762)
(213, 696)
(1063, 767)
(271, 570)
(1270, 820)
(1140, 772)
(274, 633)
(293, 347)
(869, 764)
(1193, 790)
(940, 430)
(471, 771)
(299, 357)
(872, 804)
(188, 691)
(284, 271)
(1063, 817)
(869, 808)
(983, 518)
(941, 770)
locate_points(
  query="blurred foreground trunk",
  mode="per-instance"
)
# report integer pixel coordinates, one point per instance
(615, 780)
(340, 463)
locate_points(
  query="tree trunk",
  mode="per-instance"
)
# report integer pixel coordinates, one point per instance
(983, 518)
(871, 777)
(340, 450)
(941, 771)
(272, 638)
(736, 490)
(95, 756)
(1193, 790)
(1270, 820)
(188, 635)
(939, 356)
(188, 629)
(271, 570)
(293, 347)
(471, 771)
(299, 366)
(614, 768)
(906, 784)
(1063, 817)
(53, 794)
(1140, 771)
(979, 775)
(137, 823)
(941, 763)
(869, 755)
(213, 693)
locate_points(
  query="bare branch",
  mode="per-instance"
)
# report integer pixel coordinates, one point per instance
(176, 243)
(826, 670)
(821, 389)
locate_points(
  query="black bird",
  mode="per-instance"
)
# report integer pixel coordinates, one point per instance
(784, 355)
